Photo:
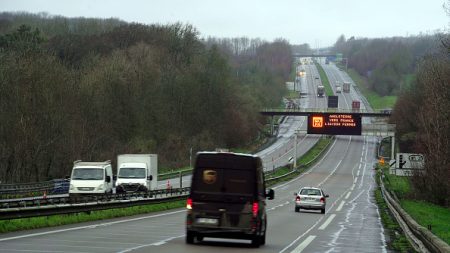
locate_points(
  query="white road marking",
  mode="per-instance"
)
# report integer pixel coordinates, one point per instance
(348, 195)
(357, 173)
(89, 226)
(304, 244)
(327, 222)
(356, 179)
(151, 244)
(340, 206)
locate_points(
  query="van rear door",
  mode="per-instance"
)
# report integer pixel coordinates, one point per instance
(223, 197)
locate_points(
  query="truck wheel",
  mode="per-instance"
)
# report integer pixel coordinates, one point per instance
(190, 237)
(297, 209)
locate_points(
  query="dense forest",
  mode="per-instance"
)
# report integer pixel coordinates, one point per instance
(91, 89)
(389, 64)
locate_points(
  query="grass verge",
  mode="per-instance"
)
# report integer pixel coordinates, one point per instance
(397, 240)
(422, 212)
(58, 220)
(325, 81)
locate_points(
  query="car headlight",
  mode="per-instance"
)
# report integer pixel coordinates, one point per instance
(72, 187)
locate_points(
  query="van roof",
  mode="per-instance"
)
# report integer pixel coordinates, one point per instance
(227, 160)
(91, 164)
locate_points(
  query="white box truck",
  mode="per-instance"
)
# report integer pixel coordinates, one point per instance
(137, 173)
(91, 178)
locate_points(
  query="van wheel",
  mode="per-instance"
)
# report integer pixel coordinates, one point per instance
(256, 241)
(297, 209)
(322, 211)
(262, 239)
(189, 237)
(199, 238)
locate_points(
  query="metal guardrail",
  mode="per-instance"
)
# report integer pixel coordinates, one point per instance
(421, 239)
(54, 206)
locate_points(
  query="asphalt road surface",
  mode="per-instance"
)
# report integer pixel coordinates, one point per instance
(351, 222)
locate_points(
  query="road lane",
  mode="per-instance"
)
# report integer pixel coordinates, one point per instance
(345, 173)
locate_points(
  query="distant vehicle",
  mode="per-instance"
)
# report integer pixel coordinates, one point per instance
(91, 178)
(310, 198)
(320, 91)
(338, 88)
(317, 77)
(60, 186)
(227, 198)
(346, 87)
(137, 173)
(356, 104)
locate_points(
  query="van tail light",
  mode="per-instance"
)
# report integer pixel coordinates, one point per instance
(255, 209)
(189, 204)
(322, 200)
(297, 199)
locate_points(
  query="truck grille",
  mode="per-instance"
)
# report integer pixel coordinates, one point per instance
(85, 188)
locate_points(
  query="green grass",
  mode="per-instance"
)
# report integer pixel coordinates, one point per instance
(311, 154)
(400, 185)
(375, 100)
(429, 214)
(398, 240)
(325, 81)
(58, 220)
(292, 95)
(424, 213)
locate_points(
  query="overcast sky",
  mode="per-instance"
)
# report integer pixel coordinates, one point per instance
(316, 22)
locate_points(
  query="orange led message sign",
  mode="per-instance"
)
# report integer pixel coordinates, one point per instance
(334, 124)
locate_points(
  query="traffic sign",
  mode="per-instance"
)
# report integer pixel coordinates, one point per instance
(334, 124)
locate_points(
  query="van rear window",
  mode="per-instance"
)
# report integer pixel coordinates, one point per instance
(217, 180)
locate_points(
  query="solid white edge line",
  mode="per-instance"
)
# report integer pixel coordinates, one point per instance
(340, 206)
(304, 244)
(327, 222)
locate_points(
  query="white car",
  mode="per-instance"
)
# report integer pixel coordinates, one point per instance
(310, 198)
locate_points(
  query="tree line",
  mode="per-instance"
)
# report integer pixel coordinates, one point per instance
(422, 117)
(388, 63)
(91, 89)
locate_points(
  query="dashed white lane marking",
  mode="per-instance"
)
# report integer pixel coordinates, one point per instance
(304, 244)
(357, 173)
(280, 205)
(327, 222)
(356, 179)
(340, 206)
(348, 195)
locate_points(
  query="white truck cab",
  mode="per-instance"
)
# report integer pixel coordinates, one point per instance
(91, 178)
(136, 173)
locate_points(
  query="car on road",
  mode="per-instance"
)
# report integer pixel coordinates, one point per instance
(310, 198)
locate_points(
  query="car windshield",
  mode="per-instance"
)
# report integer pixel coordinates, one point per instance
(131, 173)
(87, 174)
(313, 192)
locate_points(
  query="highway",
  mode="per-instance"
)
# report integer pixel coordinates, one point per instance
(351, 223)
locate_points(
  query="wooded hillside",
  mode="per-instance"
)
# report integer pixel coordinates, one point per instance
(91, 89)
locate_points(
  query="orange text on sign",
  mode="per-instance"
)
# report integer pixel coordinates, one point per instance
(317, 122)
